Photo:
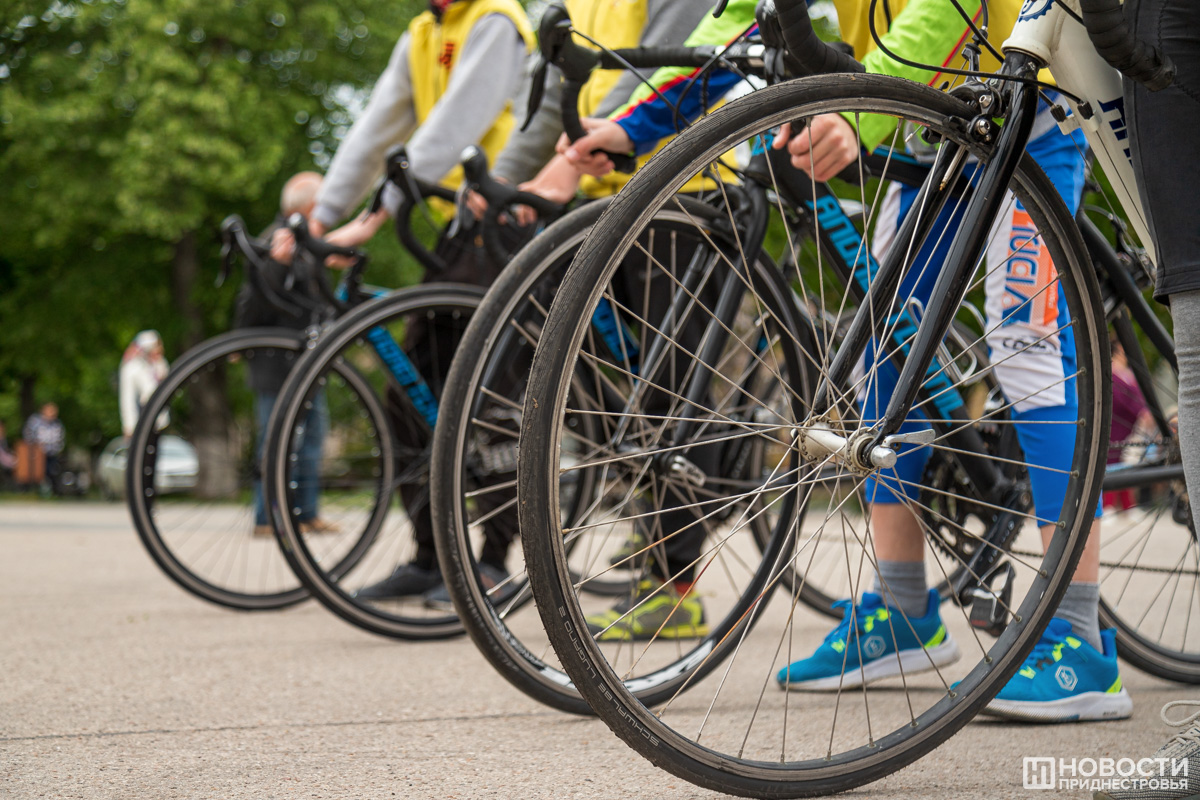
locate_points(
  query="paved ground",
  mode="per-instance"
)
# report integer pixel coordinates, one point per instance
(116, 684)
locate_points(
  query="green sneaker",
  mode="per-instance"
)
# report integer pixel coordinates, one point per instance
(654, 610)
(631, 552)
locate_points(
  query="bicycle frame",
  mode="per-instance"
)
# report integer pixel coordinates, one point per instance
(1047, 32)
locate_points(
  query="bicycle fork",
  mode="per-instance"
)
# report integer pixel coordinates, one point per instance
(985, 580)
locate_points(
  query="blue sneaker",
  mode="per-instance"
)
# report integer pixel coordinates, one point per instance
(887, 644)
(1065, 679)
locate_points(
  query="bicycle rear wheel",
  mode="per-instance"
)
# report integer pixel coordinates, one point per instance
(1149, 554)
(727, 733)
(376, 375)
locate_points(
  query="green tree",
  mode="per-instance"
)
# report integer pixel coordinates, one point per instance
(127, 131)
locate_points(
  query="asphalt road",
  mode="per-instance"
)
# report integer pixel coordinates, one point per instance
(116, 684)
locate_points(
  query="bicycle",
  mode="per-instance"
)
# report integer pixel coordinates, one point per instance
(488, 387)
(193, 465)
(191, 460)
(1010, 594)
(401, 346)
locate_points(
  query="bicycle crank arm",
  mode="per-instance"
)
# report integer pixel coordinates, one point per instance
(992, 545)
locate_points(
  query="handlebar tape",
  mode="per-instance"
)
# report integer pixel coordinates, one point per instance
(1110, 33)
(810, 53)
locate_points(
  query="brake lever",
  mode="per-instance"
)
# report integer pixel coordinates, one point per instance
(229, 227)
(226, 263)
(537, 90)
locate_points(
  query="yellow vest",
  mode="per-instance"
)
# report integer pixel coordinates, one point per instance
(617, 24)
(853, 16)
(433, 52)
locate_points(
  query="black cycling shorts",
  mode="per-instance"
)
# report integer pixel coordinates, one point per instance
(1165, 139)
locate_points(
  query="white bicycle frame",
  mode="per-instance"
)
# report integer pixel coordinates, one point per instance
(1047, 32)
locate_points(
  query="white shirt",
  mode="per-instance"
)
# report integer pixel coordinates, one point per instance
(139, 377)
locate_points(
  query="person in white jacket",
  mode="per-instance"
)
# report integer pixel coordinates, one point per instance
(143, 367)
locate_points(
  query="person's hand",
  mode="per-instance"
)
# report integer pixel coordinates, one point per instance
(478, 204)
(602, 134)
(355, 233)
(283, 242)
(557, 182)
(827, 145)
(283, 245)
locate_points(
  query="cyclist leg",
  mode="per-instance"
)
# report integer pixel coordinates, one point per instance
(1165, 158)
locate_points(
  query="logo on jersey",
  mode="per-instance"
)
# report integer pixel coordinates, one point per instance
(1030, 281)
(1032, 9)
(447, 55)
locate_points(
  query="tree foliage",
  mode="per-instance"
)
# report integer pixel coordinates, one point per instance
(128, 130)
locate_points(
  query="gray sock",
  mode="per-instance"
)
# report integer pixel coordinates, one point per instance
(1080, 606)
(902, 586)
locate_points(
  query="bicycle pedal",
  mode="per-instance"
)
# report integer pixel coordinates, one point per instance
(991, 600)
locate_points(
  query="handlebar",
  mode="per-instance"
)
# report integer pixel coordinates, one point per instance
(1137, 60)
(576, 62)
(812, 55)
(499, 196)
(234, 239)
(312, 270)
(412, 192)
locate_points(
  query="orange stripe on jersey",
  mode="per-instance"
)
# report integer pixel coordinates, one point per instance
(1031, 281)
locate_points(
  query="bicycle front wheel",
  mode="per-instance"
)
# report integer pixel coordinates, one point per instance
(192, 476)
(475, 445)
(864, 713)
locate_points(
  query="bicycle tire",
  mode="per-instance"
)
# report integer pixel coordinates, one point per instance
(489, 339)
(205, 559)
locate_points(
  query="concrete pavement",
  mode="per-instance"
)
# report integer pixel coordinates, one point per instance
(116, 684)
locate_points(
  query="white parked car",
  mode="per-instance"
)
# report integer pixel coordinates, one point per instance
(176, 470)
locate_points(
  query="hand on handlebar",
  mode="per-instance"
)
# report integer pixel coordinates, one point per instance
(557, 182)
(354, 233)
(587, 155)
(827, 145)
(283, 243)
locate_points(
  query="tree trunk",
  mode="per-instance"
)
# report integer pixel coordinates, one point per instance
(28, 398)
(209, 420)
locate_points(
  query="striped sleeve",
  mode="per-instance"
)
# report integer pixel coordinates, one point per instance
(927, 32)
(648, 118)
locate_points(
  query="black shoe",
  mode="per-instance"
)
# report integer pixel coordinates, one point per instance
(408, 580)
(439, 598)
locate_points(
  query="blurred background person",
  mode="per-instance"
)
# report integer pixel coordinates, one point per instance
(45, 432)
(143, 367)
(266, 375)
(8, 459)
